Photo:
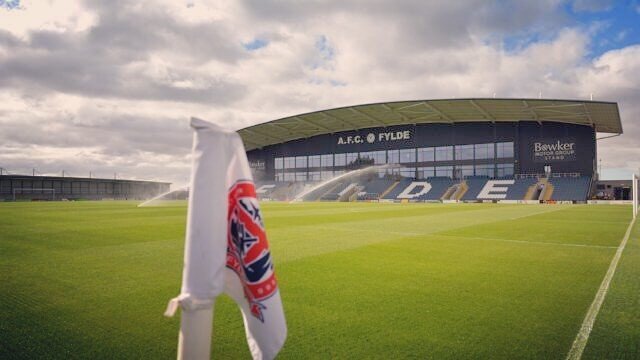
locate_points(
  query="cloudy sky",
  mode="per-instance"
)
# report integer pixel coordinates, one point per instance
(108, 86)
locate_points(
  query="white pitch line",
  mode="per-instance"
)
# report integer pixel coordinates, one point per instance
(582, 337)
(537, 213)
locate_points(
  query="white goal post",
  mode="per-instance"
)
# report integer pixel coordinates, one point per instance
(22, 191)
(635, 184)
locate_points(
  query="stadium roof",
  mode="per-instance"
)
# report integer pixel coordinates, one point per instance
(603, 116)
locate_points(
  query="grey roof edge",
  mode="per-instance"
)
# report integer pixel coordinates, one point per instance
(76, 178)
(550, 100)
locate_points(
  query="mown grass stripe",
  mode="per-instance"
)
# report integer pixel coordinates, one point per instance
(580, 342)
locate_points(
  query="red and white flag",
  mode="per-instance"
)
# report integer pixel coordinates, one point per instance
(226, 249)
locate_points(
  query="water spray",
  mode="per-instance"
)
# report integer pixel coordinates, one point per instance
(299, 197)
(158, 198)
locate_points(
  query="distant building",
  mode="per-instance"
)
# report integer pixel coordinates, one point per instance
(23, 187)
(613, 190)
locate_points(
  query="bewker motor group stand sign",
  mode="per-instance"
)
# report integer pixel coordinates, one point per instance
(546, 150)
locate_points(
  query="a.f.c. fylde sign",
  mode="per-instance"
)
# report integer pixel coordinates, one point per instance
(371, 137)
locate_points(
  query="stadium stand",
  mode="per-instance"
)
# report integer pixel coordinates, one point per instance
(402, 184)
(570, 188)
(264, 190)
(441, 188)
(336, 190)
(374, 188)
(439, 185)
(317, 193)
(474, 186)
(285, 191)
(519, 189)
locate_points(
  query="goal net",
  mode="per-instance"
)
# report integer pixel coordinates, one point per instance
(30, 193)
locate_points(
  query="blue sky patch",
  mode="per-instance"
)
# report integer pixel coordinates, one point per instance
(610, 26)
(10, 4)
(324, 55)
(254, 44)
(324, 48)
(618, 26)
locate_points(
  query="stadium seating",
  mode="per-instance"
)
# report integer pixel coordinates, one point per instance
(374, 188)
(474, 185)
(570, 188)
(365, 196)
(264, 190)
(363, 188)
(334, 192)
(319, 192)
(439, 186)
(402, 184)
(519, 189)
(283, 191)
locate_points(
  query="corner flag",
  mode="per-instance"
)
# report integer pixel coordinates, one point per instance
(226, 250)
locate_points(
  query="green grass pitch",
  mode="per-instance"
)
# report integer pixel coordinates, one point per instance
(358, 280)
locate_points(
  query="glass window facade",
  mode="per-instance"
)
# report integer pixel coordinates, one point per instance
(426, 172)
(504, 170)
(504, 150)
(380, 157)
(351, 157)
(314, 176)
(464, 152)
(290, 162)
(407, 156)
(408, 172)
(426, 154)
(301, 162)
(485, 170)
(446, 171)
(449, 161)
(464, 170)
(367, 155)
(314, 161)
(326, 175)
(444, 153)
(484, 151)
(393, 157)
(326, 160)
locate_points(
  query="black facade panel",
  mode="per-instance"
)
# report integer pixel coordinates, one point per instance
(577, 158)
(505, 131)
(473, 133)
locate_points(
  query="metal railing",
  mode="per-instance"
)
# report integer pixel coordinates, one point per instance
(542, 175)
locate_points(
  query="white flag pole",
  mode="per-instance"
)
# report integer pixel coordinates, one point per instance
(194, 341)
(206, 241)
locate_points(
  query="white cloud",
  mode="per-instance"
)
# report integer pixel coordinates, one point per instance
(111, 84)
(55, 15)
